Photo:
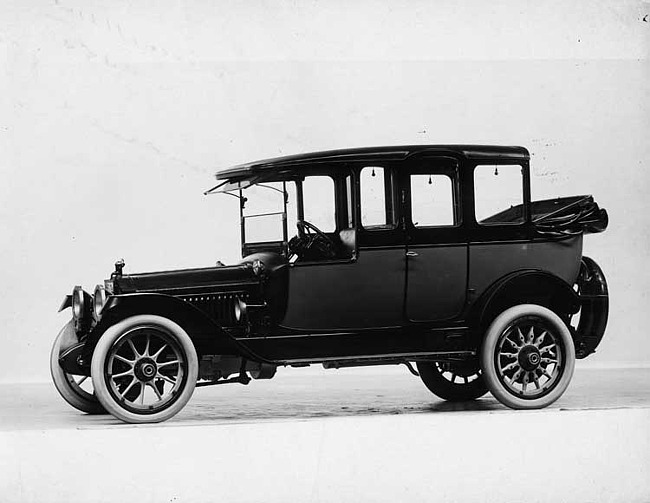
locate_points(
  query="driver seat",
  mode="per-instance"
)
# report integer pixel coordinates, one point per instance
(348, 238)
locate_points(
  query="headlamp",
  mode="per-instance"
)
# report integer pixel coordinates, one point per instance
(77, 303)
(99, 300)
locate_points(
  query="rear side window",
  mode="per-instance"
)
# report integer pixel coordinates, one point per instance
(498, 194)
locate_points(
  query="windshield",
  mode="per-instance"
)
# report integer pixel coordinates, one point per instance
(264, 212)
(270, 211)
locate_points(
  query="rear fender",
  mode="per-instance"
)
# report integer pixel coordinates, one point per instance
(525, 287)
(594, 308)
(208, 337)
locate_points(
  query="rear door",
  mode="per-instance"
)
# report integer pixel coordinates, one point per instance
(436, 250)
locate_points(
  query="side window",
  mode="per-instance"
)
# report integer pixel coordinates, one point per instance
(319, 202)
(498, 194)
(376, 198)
(432, 200)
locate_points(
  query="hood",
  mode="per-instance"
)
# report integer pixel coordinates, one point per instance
(185, 281)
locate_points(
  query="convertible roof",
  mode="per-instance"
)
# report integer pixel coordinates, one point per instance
(370, 154)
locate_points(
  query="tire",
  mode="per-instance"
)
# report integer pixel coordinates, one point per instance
(441, 379)
(527, 357)
(70, 386)
(144, 369)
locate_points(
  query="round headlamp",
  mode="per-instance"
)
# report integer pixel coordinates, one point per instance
(99, 300)
(77, 303)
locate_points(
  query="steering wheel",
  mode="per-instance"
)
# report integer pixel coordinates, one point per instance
(314, 243)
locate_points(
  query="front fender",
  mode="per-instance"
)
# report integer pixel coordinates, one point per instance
(208, 337)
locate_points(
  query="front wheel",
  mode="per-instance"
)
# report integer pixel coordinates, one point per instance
(454, 382)
(527, 357)
(144, 369)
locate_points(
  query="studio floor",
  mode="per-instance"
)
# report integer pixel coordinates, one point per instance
(339, 435)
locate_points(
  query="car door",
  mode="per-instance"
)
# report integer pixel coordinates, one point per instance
(436, 249)
(366, 291)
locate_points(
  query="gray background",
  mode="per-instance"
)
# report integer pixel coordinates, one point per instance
(114, 116)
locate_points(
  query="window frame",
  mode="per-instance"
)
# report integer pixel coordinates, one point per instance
(525, 197)
(301, 213)
(436, 165)
(393, 199)
(456, 208)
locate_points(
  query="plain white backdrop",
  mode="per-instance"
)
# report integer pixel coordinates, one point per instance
(115, 115)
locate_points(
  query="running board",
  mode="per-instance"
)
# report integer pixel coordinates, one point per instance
(393, 359)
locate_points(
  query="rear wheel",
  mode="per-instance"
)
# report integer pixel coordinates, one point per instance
(77, 390)
(528, 357)
(455, 382)
(144, 369)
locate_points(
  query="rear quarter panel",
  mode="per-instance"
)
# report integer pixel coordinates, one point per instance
(488, 262)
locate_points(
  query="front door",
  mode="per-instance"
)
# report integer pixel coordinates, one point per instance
(367, 290)
(436, 250)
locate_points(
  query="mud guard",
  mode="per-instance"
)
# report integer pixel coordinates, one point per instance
(534, 287)
(594, 308)
(207, 335)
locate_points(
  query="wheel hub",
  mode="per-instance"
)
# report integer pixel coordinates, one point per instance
(145, 369)
(529, 358)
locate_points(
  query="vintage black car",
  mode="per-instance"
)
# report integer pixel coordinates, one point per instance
(428, 254)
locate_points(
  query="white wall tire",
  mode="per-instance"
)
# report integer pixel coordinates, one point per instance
(77, 390)
(459, 382)
(527, 357)
(144, 369)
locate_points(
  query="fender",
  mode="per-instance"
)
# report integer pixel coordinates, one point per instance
(207, 335)
(521, 287)
(594, 298)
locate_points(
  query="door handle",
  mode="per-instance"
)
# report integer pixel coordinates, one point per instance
(411, 254)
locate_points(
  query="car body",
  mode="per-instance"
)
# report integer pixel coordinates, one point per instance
(433, 254)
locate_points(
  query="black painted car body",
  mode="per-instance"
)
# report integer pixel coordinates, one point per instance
(367, 291)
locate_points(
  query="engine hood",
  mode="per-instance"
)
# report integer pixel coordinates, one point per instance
(184, 281)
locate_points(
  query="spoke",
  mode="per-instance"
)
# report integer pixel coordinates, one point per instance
(122, 359)
(536, 380)
(128, 388)
(512, 343)
(509, 355)
(155, 388)
(453, 377)
(466, 379)
(540, 339)
(122, 374)
(522, 340)
(547, 349)
(165, 364)
(545, 373)
(165, 378)
(524, 382)
(146, 348)
(531, 335)
(141, 396)
(510, 366)
(135, 351)
(82, 380)
(516, 376)
(549, 360)
(155, 356)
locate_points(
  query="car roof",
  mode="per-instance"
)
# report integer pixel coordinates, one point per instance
(370, 154)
